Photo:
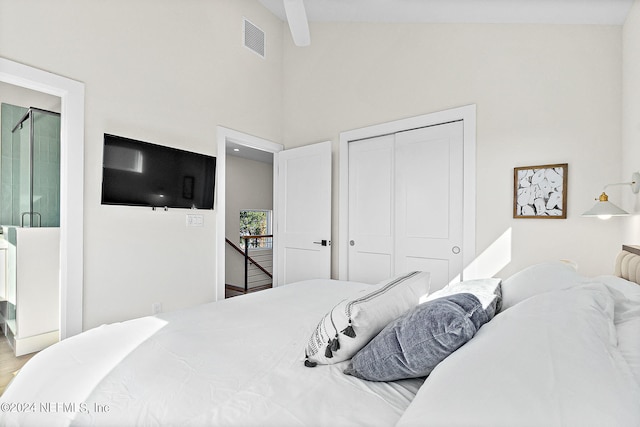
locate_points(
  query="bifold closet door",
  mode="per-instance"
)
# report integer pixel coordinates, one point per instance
(371, 209)
(429, 201)
(405, 204)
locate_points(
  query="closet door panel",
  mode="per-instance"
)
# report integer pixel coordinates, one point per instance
(423, 186)
(371, 209)
(429, 196)
(438, 267)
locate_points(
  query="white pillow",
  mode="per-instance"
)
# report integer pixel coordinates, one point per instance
(539, 278)
(547, 361)
(488, 292)
(353, 322)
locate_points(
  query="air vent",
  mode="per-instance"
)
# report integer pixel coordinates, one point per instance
(253, 38)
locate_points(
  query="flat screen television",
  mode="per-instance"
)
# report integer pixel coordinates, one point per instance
(137, 173)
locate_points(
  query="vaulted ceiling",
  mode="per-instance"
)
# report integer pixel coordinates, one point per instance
(602, 12)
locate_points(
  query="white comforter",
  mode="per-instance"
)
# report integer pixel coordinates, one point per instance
(569, 357)
(235, 362)
(565, 354)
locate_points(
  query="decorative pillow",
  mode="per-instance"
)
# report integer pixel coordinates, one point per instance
(488, 291)
(537, 279)
(412, 345)
(352, 323)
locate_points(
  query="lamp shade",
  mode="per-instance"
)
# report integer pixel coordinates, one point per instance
(605, 209)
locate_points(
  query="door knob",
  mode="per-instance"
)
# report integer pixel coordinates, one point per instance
(455, 250)
(352, 242)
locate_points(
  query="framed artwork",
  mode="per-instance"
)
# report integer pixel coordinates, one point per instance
(540, 191)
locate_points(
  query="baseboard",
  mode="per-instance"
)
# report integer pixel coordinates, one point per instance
(35, 343)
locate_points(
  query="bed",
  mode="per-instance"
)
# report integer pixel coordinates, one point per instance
(546, 346)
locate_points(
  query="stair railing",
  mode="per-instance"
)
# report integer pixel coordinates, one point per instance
(257, 242)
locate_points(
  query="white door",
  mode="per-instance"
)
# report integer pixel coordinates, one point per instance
(429, 195)
(371, 209)
(406, 204)
(304, 213)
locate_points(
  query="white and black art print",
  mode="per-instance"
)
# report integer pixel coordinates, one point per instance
(540, 191)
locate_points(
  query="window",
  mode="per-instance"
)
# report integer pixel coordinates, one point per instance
(255, 222)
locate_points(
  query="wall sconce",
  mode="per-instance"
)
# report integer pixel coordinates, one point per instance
(604, 209)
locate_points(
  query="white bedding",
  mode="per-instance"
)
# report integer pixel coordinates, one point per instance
(184, 368)
(565, 352)
(567, 357)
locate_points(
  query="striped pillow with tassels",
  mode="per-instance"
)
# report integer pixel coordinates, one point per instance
(353, 322)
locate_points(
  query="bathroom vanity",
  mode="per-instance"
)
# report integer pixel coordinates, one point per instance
(32, 292)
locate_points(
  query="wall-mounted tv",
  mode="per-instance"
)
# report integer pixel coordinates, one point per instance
(137, 173)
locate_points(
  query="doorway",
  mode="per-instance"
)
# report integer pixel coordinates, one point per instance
(301, 205)
(249, 219)
(30, 216)
(71, 94)
(228, 139)
(403, 148)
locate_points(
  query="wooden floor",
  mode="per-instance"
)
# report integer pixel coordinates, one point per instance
(9, 364)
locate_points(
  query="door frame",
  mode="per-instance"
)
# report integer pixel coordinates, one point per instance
(71, 94)
(225, 135)
(465, 113)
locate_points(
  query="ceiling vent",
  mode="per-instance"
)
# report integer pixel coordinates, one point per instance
(253, 38)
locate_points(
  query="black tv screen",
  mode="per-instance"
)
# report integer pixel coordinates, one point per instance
(138, 173)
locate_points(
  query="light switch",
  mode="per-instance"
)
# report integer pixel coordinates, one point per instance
(194, 220)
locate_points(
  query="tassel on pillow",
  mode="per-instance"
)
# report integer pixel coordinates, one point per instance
(335, 344)
(348, 331)
(327, 352)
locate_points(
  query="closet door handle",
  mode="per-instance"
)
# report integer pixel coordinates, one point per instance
(323, 242)
(455, 250)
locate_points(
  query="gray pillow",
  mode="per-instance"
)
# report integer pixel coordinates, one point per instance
(488, 291)
(412, 345)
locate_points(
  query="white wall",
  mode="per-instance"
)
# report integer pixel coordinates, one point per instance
(165, 72)
(22, 97)
(544, 94)
(168, 72)
(249, 186)
(631, 121)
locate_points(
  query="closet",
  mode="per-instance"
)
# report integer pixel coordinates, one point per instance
(406, 204)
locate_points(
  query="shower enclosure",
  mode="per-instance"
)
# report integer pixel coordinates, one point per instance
(30, 168)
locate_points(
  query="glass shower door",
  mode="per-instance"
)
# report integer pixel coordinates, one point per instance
(35, 171)
(46, 169)
(21, 171)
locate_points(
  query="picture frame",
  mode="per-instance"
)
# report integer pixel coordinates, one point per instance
(540, 191)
